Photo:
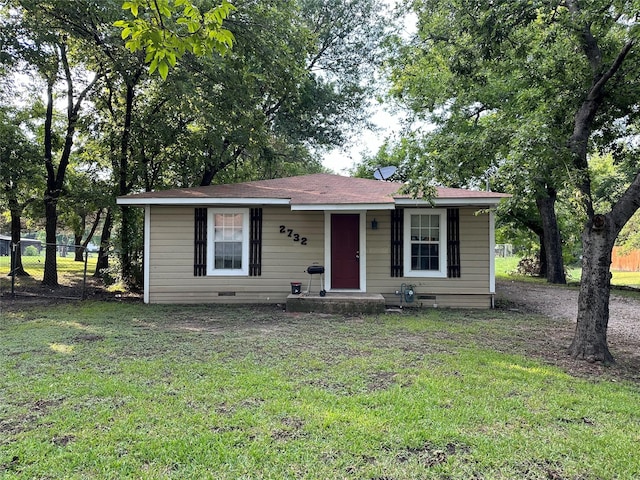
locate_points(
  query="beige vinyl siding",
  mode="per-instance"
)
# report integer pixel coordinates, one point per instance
(471, 289)
(171, 278)
(444, 301)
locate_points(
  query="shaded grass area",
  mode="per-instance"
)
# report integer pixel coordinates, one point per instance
(506, 268)
(35, 265)
(104, 390)
(70, 275)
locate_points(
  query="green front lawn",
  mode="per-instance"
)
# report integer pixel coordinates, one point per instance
(109, 390)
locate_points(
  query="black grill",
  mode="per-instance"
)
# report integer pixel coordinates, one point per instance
(316, 270)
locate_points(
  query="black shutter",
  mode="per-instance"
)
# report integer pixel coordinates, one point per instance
(397, 217)
(255, 242)
(200, 243)
(453, 243)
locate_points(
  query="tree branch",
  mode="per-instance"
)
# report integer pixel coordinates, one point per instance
(627, 205)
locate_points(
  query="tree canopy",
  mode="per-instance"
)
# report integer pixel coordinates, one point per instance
(296, 81)
(523, 94)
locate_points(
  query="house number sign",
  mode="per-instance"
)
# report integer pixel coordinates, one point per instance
(293, 235)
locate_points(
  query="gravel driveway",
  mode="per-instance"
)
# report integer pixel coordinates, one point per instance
(561, 303)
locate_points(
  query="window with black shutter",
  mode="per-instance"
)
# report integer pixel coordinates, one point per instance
(225, 245)
(423, 245)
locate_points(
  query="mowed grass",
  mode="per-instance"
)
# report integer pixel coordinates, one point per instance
(109, 390)
(506, 268)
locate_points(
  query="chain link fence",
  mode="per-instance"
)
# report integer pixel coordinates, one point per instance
(22, 270)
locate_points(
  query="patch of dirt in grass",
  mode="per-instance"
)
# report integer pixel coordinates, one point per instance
(381, 381)
(63, 440)
(542, 469)
(292, 428)
(43, 406)
(335, 387)
(18, 423)
(430, 455)
(12, 426)
(88, 338)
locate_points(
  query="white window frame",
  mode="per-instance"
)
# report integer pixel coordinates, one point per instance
(211, 215)
(442, 242)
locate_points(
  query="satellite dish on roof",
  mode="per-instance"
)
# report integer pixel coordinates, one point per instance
(384, 173)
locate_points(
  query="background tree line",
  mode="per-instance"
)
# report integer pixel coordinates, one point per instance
(85, 120)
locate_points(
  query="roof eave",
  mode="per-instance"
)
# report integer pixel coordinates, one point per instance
(342, 206)
(400, 202)
(448, 202)
(136, 201)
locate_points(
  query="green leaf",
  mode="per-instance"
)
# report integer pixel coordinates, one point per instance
(153, 66)
(163, 69)
(171, 58)
(133, 6)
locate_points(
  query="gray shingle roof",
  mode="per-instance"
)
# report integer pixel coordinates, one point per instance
(315, 189)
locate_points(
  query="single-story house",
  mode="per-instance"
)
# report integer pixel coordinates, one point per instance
(5, 245)
(248, 242)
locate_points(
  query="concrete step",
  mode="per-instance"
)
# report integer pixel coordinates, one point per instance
(334, 302)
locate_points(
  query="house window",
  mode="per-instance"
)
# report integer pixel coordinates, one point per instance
(228, 248)
(425, 250)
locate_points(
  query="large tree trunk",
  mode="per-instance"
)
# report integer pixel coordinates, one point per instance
(552, 242)
(16, 213)
(78, 249)
(50, 264)
(590, 341)
(598, 238)
(102, 264)
(543, 257)
(51, 193)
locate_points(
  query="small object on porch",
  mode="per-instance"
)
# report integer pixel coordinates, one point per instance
(316, 270)
(296, 288)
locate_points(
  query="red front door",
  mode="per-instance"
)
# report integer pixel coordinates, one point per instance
(345, 250)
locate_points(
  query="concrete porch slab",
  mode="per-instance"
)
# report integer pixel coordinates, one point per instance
(336, 303)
